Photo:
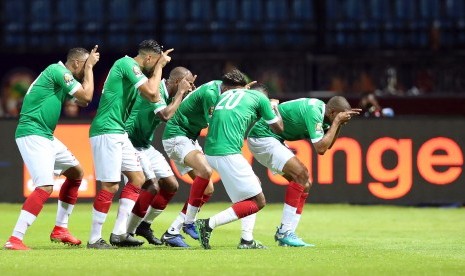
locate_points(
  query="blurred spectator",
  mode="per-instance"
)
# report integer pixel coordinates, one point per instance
(371, 107)
(273, 82)
(71, 109)
(14, 86)
(392, 87)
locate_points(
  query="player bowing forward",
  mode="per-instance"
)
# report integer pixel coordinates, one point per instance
(303, 119)
(144, 119)
(235, 111)
(43, 153)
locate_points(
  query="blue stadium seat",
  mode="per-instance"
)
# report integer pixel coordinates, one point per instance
(40, 26)
(301, 24)
(93, 18)
(145, 20)
(198, 23)
(119, 17)
(274, 29)
(67, 16)
(14, 24)
(248, 23)
(222, 25)
(175, 12)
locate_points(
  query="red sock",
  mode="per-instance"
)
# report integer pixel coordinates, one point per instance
(300, 207)
(293, 193)
(184, 208)
(35, 201)
(69, 190)
(102, 201)
(130, 191)
(162, 198)
(245, 208)
(142, 203)
(205, 199)
(197, 189)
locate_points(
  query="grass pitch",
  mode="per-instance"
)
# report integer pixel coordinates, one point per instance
(350, 240)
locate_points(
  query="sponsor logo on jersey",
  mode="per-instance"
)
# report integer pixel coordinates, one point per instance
(68, 79)
(137, 71)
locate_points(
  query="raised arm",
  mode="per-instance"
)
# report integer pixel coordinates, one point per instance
(85, 93)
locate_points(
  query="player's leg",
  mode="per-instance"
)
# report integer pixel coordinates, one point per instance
(37, 154)
(132, 169)
(242, 186)
(296, 194)
(66, 164)
(107, 153)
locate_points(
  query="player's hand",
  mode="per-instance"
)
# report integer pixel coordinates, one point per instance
(184, 86)
(274, 102)
(165, 58)
(94, 57)
(247, 86)
(193, 87)
(345, 116)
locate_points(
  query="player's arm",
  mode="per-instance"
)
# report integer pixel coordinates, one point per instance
(330, 137)
(184, 87)
(85, 93)
(150, 89)
(278, 126)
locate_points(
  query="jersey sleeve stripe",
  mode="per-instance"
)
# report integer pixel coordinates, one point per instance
(272, 121)
(316, 139)
(74, 90)
(159, 109)
(139, 83)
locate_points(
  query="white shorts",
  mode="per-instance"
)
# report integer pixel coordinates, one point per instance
(177, 148)
(237, 176)
(270, 152)
(154, 163)
(113, 153)
(44, 158)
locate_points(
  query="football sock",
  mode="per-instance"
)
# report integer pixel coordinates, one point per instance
(175, 227)
(292, 199)
(66, 201)
(184, 208)
(31, 209)
(161, 199)
(100, 209)
(142, 203)
(152, 213)
(247, 226)
(128, 199)
(300, 208)
(133, 222)
(287, 218)
(195, 198)
(222, 217)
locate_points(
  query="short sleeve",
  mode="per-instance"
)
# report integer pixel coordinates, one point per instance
(134, 74)
(66, 81)
(266, 111)
(313, 115)
(159, 106)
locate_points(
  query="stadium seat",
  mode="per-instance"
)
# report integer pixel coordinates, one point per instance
(119, 17)
(175, 15)
(222, 25)
(248, 23)
(40, 26)
(274, 26)
(93, 18)
(301, 24)
(145, 20)
(66, 22)
(14, 22)
(198, 23)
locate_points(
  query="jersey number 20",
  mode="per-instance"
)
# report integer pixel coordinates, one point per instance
(230, 100)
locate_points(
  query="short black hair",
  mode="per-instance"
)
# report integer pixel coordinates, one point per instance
(234, 78)
(260, 87)
(150, 45)
(76, 53)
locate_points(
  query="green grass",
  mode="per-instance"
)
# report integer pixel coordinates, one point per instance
(351, 240)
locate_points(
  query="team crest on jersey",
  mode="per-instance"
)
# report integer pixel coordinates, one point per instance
(210, 111)
(319, 127)
(137, 71)
(68, 79)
